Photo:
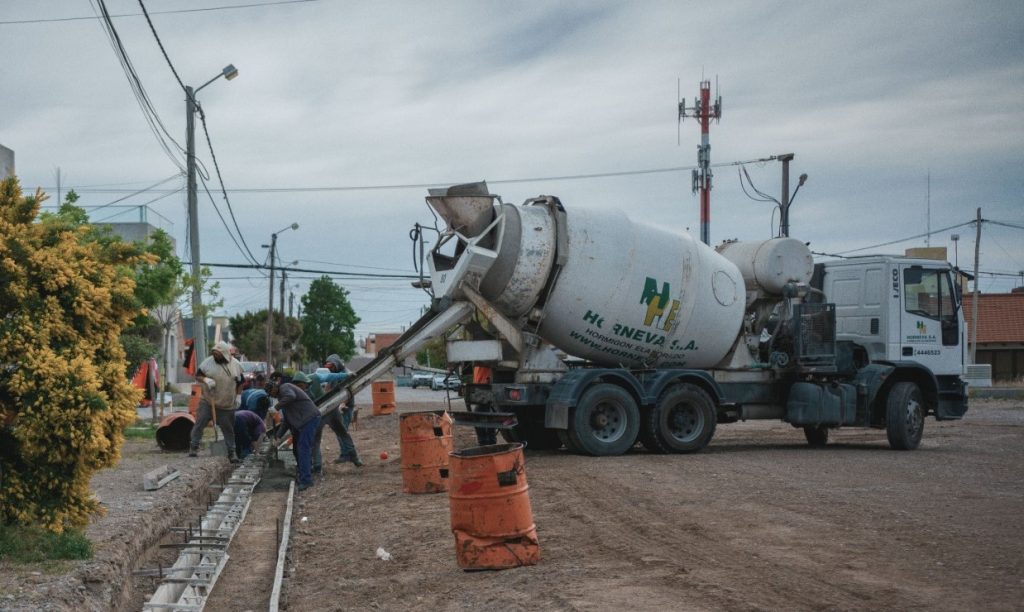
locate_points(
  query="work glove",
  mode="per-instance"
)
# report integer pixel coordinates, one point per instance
(211, 383)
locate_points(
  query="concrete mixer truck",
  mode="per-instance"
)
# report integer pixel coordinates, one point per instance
(601, 332)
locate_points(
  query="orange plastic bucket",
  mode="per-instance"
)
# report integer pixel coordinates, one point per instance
(490, 508)
(383, 397)
(175, 431)
(426, 440)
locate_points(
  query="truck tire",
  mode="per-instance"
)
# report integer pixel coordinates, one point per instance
(649, 432)
(683, 420)
(816, 436)
(605, 422)
(904, 416)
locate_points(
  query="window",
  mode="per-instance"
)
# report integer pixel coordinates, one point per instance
(929, 293)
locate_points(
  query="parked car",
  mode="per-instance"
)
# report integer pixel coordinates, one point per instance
(251, 368)
(424, 379)
(445, 381)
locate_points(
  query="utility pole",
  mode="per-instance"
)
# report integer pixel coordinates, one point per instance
(291, 303)
(703, 111)
(198, 315)
(974, 308)
(785, 158)
(284, 276)
(270, 304)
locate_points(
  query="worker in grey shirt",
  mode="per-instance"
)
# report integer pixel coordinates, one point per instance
(303, 418)
(221, 377)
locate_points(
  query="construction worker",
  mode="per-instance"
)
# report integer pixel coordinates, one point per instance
(249, 430)
(303, 420)
(332, 419)
(345, 444)
(221, 377)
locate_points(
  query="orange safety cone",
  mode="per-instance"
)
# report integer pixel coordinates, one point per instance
(490, 508)
(425, 441)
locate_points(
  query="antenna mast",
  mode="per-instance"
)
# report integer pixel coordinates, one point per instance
(704, 111)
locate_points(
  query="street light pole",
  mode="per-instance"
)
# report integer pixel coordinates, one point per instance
(198, 315)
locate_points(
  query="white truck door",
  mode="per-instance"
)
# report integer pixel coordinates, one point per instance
(930, 321)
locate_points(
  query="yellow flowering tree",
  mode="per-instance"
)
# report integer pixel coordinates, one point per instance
(64, 398)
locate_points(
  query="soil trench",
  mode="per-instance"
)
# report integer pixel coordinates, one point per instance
(248, 578)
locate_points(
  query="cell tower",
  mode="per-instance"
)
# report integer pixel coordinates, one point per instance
(704, 111)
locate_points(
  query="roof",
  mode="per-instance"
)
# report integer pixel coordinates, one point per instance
(1000, 316)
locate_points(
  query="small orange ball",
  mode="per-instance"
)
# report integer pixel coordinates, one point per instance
(384, 455)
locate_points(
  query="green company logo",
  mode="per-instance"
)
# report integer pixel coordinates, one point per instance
(657, 303)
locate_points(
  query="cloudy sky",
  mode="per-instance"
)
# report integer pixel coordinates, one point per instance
(343, 110)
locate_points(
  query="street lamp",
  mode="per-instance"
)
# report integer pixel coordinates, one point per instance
(198, 316)
(270, 303)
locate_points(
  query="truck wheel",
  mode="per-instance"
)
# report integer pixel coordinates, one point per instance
(684, 419)
(904, 416)
(649, 432)
(605, 422)
(816, 436)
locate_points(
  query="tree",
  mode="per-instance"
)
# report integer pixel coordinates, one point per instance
(250, 332)
(158, 278)
(328, 320)
(64, 398)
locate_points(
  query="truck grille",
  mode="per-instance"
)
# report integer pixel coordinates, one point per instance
(815, 334)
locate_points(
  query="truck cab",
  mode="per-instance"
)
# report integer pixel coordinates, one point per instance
(902, 311)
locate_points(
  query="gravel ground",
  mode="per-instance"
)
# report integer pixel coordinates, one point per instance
(757, 521)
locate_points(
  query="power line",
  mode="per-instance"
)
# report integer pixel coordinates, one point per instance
(143, 190)
(147, 203)
(245, 252)
(197, 10)
(152, 118)
(882, 244)
(360, 275)
(161, 45)
(220, 179)
(536, 179)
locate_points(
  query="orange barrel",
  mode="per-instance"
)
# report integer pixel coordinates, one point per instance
(175, 431)
(426, 440)
(193, 400)
(383, 397)
(490, 508)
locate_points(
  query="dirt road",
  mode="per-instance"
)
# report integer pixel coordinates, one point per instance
(758, 521)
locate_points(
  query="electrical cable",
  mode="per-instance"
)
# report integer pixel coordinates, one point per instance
(143, 190)
(149, 113)
(196, 10)
(161, 45)
(882, 244)
(224, 222)
(490, 182)
(220, 179)
(363, 276)
(156, 199)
